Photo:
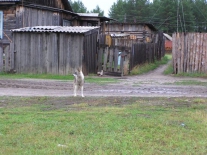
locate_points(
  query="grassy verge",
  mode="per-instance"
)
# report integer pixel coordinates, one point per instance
(36, 76)
(169, 70)
(42, 125)
(100, 80)
(140, 69)
(201, 75)
(191, 82)
(89, 79)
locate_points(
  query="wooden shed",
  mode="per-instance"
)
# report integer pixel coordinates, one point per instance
(142, 32)
(53, 49)
(126, 45)
(28, 13)
(16, 14)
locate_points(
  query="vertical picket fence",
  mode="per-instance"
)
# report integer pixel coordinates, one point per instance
(189, 52)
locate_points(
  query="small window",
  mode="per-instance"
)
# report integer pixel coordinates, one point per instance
(66, 22)
(1, 24)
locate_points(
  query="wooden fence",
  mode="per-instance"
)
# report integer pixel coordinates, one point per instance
(189, 52)
(147, 52)
(124, 54)
(141, 53)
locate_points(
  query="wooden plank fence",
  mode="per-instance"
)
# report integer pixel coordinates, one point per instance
(147, 52)
(189, 52)
(125, 53)
(142, 53)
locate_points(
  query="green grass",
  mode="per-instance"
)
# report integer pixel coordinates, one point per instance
(36, 76)
(194, 75)
(100, 80)
(89, 79)
(170, 70)
(43, 125)
(140, 69)
(191, 82)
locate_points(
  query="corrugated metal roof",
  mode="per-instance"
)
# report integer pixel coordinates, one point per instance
(119, 35)
(63, 29)
(168, 36)
(88, 14)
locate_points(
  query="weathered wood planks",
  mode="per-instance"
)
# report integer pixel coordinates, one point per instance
(49, 53)
(189, 52)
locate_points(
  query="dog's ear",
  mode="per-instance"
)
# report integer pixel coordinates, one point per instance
(78, 69)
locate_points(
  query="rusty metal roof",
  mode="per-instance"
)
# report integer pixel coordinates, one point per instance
(62, 29)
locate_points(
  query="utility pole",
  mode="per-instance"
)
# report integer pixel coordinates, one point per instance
(177, 15)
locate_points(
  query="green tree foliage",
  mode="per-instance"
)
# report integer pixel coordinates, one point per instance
(98, 10)
(78, 6)
(118, 10)
(166, 15)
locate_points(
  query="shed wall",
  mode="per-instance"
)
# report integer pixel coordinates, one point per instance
(49, 53)
(28, 17)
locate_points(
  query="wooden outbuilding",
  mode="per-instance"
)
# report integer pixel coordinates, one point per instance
(28, 13)
(54, 49)
(126, 45)
(168, 43)
(16, 14)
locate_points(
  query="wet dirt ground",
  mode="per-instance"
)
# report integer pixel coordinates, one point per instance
(152, 84)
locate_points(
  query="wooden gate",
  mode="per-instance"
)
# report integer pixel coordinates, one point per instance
(6, 58)
(114, 54)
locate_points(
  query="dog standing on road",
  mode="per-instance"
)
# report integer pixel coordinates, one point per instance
(78, 81)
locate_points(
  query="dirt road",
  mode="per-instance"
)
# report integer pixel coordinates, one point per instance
(151, 84)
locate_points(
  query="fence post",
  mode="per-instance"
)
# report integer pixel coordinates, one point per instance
(1, 58)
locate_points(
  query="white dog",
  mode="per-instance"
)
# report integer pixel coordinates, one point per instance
(78, 81)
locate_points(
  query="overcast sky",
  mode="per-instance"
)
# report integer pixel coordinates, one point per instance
(105, 5)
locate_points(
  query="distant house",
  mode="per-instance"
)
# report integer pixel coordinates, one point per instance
(168, 43)
(142, 32)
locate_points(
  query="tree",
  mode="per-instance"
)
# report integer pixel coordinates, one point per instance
(117, 10)
(166, 15)
(98, 10)
(78, 6)
(200, 15)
